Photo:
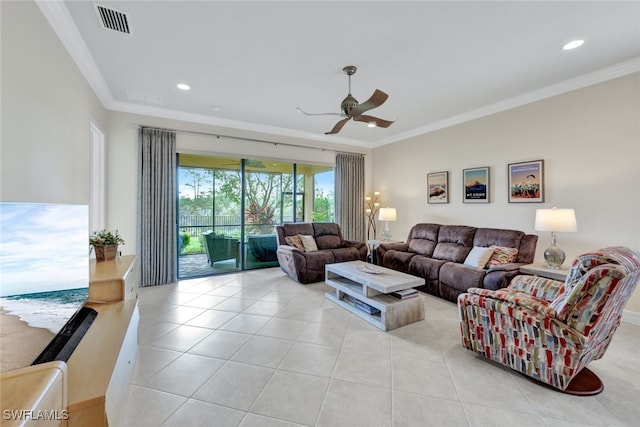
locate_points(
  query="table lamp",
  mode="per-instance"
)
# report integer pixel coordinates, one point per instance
(555, 220)
(387, 214)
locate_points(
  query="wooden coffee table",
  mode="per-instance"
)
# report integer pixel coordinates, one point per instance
(366, 293)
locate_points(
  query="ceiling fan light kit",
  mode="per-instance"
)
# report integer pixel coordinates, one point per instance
(352, 109)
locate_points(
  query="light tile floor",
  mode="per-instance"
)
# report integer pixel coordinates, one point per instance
(258, 349)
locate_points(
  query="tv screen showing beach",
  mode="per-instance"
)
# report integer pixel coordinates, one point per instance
(44, 274)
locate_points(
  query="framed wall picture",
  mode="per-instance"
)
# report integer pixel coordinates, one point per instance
(476, 185)
(526, 182)
(438, 187)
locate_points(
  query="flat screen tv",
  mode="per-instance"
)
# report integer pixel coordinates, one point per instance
(44, 281)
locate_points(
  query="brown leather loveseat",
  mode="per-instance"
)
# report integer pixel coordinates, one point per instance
(438, 254)
(307, 266)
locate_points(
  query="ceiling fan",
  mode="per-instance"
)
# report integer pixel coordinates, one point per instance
(351, 109)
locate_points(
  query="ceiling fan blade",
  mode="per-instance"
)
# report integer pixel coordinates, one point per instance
(317, 114)
(381, 123)
(377, 99)
(338, 126)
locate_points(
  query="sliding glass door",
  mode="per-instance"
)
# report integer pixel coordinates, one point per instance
(227, 210)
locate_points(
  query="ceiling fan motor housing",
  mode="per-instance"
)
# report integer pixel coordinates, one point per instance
(348, 103)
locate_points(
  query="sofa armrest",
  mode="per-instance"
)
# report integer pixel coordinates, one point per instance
(512, 266)
(396, 246)
(289, 248)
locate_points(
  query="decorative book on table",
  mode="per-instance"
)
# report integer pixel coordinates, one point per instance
(405, 293)
(361, 305)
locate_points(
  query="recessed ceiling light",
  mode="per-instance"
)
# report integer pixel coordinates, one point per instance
(217, 108)
(573, 44)
(183, 86)
(371, 124)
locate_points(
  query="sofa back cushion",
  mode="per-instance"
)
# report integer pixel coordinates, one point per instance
(527, 250)
(327, 234)
(423, 238)
(486, 237)
(293, 229)
(454, 243)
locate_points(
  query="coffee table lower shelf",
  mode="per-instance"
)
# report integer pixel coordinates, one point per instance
(393, 312)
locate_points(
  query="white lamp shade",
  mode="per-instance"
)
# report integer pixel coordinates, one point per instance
(387, 214)
(558, 220)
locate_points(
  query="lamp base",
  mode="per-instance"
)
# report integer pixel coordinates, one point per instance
(386, 235)
(554, 257)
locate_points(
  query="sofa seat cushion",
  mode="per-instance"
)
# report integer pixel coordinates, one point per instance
(345, 254)
(422, 266)
(461, 277)
(397, 260)
(317, 260)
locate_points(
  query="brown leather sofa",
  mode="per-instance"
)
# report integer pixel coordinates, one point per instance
(438, 252)
(307, 267)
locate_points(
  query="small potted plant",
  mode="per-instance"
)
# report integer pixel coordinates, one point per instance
(105, 243)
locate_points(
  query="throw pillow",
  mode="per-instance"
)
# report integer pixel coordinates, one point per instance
(295, 242)
(478, 257)
(502, 255)
(309, 243)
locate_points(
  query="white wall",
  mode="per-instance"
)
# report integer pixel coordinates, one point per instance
(589, 140)
(47, 107)
(122, 160)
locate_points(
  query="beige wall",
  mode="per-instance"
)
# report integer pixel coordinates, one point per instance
(47, 107)
(589, 140)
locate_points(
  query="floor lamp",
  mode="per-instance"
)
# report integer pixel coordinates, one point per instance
(387, 214)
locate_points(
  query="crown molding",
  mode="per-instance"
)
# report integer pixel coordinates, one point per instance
(618, 70)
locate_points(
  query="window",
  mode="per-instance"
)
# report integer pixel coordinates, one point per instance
(242, 199)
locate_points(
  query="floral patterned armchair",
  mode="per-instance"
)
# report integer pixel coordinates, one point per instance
(550, 330)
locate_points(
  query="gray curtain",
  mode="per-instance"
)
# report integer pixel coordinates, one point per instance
(157, 206)
(349, 181)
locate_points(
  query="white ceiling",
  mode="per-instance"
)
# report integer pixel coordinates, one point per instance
(440, 62)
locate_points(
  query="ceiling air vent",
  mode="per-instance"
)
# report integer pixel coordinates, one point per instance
(113, 20)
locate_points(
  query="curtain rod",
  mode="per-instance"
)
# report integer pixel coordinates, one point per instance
(218, 136)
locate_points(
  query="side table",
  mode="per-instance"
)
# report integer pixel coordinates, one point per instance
(541, 269)
(372, 244)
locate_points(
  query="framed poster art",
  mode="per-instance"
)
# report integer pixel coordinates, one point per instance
(438, 187)
(526, 182)
(476, 185)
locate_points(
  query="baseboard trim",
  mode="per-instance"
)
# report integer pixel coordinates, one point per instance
(632, 317)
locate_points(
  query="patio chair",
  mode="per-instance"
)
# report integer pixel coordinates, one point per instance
(220, 247)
